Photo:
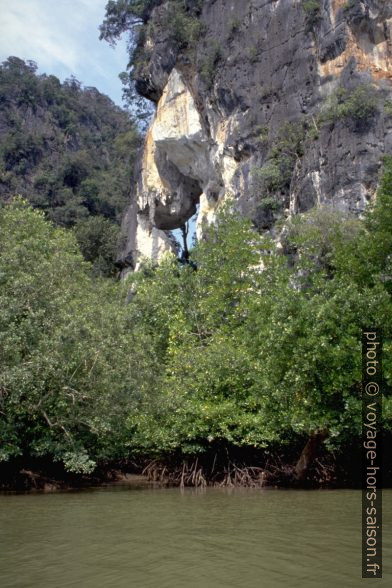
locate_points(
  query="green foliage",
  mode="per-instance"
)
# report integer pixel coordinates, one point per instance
(290, 140)
(245, 347)
(233, 26)
(269, 203)
(388, 107)
(178, 22)
(262, 133)
(377, 247)
(349, 5)
(359, 106)
(198, 315)
(98, 241)
(72, 365)
(269, 176)
(274, 177)
(182, 24)
(68, 150)
(312, 10)
(253, 54)
(207, 67)
(121, 15)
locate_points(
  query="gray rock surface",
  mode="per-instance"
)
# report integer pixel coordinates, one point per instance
(216, 127)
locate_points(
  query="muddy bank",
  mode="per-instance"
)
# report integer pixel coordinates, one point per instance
(25, 475)
(218, 466)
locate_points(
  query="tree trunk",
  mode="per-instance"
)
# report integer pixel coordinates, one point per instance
(185, 251)
(308, 454)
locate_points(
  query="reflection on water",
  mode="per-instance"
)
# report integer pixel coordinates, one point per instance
(166, 538)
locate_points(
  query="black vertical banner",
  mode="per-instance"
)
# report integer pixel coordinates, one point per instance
(371, 453)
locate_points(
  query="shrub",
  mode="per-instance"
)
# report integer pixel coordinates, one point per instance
(388, 107)
(262, 133)
(181, 25)
(276, 173)
(358, 105)
(349, 4)
(253, 54)
(208, 66)
(312, 9)
(361, 104)
(180, 21)
(269, 203)
(268, 177)
(234, 25)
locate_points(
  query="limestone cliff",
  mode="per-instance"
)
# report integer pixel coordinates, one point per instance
(280, 105)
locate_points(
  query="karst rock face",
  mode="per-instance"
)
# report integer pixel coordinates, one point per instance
(259, 67)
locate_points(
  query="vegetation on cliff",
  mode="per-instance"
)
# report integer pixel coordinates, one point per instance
(68, 150)
(176, 22)
(251, 349)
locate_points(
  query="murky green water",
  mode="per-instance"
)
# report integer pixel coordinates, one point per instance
(163, 538)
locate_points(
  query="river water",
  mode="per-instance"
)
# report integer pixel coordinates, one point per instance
(164, 538)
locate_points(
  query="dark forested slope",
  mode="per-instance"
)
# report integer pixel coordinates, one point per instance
(68, 150)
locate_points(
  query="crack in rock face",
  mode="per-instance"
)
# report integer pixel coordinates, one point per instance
(213, 140)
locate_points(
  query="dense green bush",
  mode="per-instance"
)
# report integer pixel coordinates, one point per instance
(388, 107)
(182, 24)
(98, 237)
(71, 362)
(271, 182)
(268, 178)
(358, 105)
